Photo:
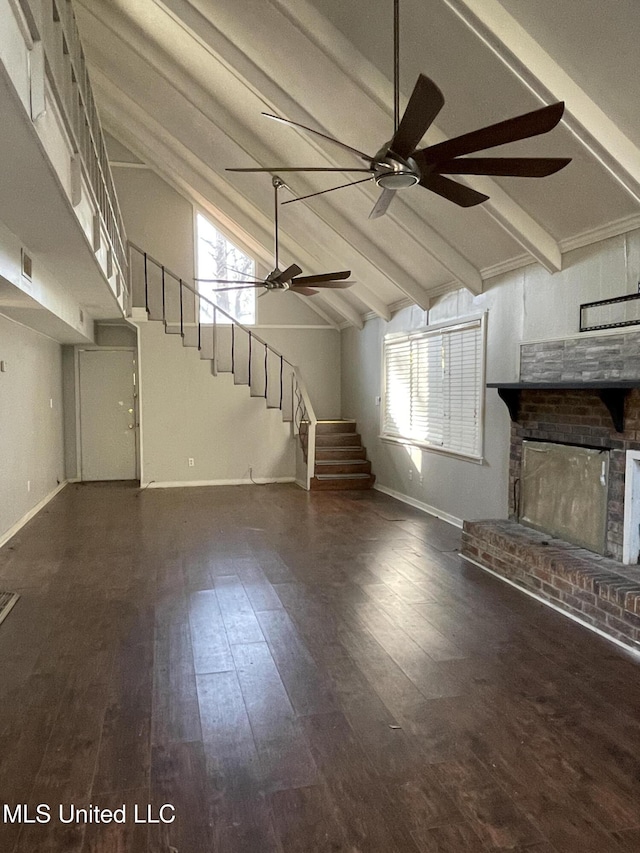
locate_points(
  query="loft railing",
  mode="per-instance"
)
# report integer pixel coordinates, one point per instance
(57, 63)
(229, 345)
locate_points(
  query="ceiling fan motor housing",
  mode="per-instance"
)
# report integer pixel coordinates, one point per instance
(393, 172)
(272, 282)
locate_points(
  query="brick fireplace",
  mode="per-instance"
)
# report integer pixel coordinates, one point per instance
(581, 393)
(579, 418)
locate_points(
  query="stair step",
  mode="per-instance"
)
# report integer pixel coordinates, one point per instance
(331, 462)
(344, 481)
(338, 426)
(338, 439)
(190, 337)
(341, 476)
(338, 454)
(333, 467)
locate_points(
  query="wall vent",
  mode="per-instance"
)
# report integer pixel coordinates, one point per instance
(26, 265)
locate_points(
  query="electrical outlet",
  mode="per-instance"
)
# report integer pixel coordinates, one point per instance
(191, 462)
(421, 480)
(410, 474)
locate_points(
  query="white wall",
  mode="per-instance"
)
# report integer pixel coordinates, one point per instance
(157, 218)
(45, 302)
(529, 304)
(185, 411)
(31, 430)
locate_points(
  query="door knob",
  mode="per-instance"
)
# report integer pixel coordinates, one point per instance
(131, 426)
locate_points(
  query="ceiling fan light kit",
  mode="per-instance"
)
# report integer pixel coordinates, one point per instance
(399, 165)
(392, 173)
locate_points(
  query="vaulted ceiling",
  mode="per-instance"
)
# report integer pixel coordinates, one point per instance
(182, 83)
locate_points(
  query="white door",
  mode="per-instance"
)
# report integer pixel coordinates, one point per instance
(107, 415)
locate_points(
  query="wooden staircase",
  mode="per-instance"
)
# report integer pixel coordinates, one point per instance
(341, 460)
(219, 338)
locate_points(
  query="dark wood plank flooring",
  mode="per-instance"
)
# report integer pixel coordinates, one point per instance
(296, 673)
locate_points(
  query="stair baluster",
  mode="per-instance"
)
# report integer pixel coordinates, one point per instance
(290, 397)
(164, 298)
(181, 313)
(266, 375)
(146, 284)
(214, 335)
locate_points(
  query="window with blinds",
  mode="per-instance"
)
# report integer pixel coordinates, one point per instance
(434, 388)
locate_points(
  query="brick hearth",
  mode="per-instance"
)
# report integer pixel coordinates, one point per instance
(598, 590)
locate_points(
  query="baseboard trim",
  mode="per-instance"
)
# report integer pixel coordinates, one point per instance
(302, 484)
(626, 646)
(11, 532)
(431, 510)
(182, 484)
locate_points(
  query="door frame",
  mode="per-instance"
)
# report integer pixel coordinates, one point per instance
(136, 399)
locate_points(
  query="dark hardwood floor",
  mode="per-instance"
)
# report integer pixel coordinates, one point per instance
(299, 672)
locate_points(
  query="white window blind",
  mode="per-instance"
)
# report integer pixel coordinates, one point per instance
(434, 388)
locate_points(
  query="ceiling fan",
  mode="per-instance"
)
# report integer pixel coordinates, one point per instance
(398, 165)
(290, 278)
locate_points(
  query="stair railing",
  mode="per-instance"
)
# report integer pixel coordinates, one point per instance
(242, 356)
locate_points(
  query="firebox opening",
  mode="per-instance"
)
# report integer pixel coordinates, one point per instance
(563, 492)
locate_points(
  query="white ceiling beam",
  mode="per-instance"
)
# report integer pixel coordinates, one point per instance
(274, 97)
(525, 58)
(148, 140)
(212, 111)
(350, 314)
(538, 242)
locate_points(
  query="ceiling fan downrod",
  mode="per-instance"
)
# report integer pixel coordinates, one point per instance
(396, 66)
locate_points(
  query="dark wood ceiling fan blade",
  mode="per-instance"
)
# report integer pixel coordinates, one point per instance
(335, 285)
(381, 206)
(305, 291)
(519, 127)
(330, 190)
(296, 169)
(325, 276)
(355, 151)
(517, 167)
(286, 275)
(452, 190)
(425, 103)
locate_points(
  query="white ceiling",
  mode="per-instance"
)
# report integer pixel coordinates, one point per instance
(181, 83)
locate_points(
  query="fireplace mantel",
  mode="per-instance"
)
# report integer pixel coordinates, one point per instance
(613, 394)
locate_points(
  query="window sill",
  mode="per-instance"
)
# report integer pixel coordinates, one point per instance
(433, 448)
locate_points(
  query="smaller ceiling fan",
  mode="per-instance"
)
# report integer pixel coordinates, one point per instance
(290, 278)
(398, 164)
